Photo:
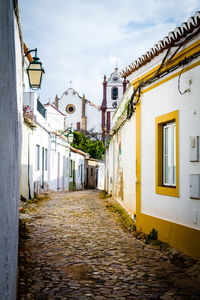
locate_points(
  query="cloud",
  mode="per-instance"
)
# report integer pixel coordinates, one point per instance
(80, 40)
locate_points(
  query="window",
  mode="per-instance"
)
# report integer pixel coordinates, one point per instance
(70, 108)
(46, 159)
(79, 170)
(167, 155)
(114, 93)
(67, 166)
(70, 167)
(78, 125)
(37, 157)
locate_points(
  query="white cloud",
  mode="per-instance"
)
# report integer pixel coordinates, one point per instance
(80, 40)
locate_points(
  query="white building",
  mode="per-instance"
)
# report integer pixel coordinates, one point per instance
(35, 147)
(155, 145)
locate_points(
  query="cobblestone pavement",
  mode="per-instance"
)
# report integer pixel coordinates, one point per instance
(76, 249)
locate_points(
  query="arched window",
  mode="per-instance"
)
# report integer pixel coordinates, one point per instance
(114, 93)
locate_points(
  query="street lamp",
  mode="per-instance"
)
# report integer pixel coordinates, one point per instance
(35, 71)
(70, 135)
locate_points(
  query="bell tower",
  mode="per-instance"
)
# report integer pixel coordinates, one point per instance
(113, 90)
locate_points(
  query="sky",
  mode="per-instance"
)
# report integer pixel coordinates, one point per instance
(81, 40)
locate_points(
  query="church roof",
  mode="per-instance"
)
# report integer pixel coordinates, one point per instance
(70, 89)
(185, 30)
(76, 93)
(115, 77)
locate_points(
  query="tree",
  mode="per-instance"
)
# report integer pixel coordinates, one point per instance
(94, 148)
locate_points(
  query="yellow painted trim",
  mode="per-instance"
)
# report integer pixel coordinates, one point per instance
(185, 53)
(159, 122)
(138, 159)
(186, 239)
(171, 77)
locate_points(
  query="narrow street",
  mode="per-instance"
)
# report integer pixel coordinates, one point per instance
(75, 248)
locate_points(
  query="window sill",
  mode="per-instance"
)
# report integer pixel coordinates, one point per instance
(167, 191)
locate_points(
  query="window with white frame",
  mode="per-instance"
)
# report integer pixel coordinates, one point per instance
(70, 168)
(37, 157)
(67, 166)
(79, 170)
(46, 153)
(169, 154)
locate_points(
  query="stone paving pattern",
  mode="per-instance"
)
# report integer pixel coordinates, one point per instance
(76, 249)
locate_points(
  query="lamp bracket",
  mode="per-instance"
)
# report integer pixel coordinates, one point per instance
(33, 50)
(68, 129)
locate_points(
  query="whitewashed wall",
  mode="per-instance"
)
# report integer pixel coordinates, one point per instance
(39, 137)
(55, 119)
(101, 175)
(59, 152)
(93, 118)
(10, 125)
(109, 168)
(26, 165)
(120, 158)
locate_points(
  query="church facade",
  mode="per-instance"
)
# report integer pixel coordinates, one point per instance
(81, 114)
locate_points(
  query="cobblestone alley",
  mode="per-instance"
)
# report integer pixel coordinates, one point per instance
(75, 248)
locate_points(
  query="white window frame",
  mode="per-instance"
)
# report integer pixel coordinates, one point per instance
(37, 158)
(67, 167)
(170, 154)
(46, 160)
(79, 170)
(70, 167)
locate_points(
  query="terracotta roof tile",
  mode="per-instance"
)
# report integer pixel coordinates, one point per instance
(180, 32)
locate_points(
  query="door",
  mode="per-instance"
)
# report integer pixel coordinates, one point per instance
(58, 176)
(74, 174)
(63, 172)
(42, 167)
(87, 179)
(81, 166)
(97, 172)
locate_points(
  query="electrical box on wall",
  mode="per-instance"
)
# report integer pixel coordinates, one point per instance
(195, 186)
(194, 148)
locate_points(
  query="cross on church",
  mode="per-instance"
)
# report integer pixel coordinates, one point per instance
(70, 83)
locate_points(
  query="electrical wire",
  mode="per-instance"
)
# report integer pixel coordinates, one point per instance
(179, 78)
(132, 103)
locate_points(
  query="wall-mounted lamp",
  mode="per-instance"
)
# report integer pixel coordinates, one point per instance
(35, 71)
(70, 135)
